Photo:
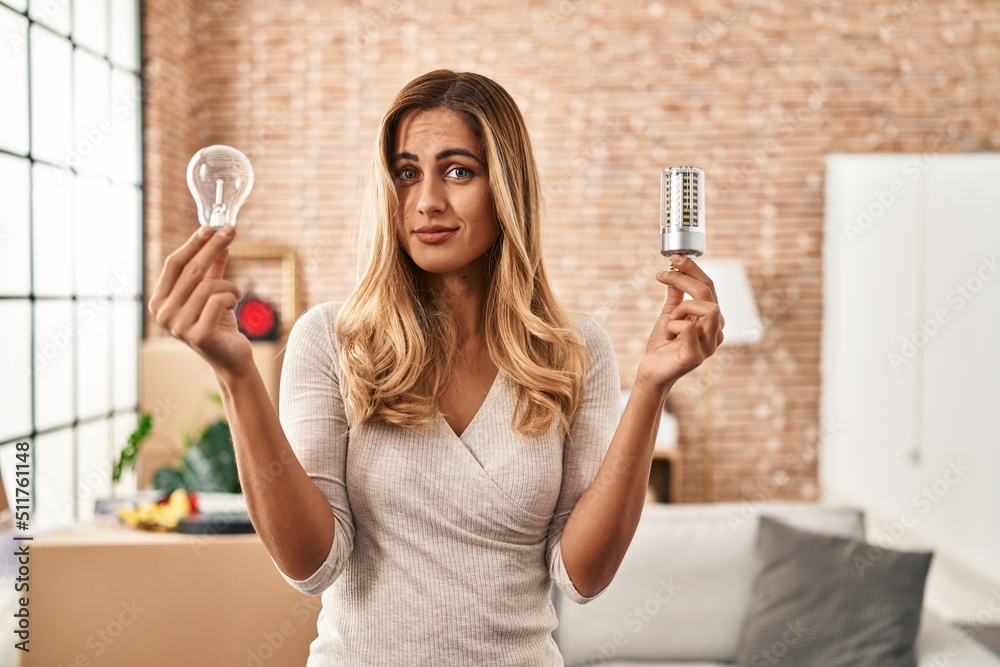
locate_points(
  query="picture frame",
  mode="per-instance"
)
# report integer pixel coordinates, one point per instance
(289, 258)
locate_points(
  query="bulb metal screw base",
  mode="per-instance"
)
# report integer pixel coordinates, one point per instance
(681, 242)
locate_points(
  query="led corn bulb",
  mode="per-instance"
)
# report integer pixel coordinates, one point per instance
(682, 211)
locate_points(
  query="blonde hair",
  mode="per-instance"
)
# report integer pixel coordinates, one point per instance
(396, 342)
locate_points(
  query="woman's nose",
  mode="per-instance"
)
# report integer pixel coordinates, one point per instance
(431, 200)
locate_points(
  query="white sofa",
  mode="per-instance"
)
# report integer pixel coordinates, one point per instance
(682, 591)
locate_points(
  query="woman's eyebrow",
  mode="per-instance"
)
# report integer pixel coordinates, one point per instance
(448, 152)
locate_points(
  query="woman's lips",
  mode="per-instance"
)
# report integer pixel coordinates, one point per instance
(434, 237)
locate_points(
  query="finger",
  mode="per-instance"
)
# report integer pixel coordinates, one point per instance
(683, 284)
(695, 308)
(191, 311)
(217, 306)
(175, 263)
(703, 309)
(687, 331)
(195, 270)
(218, 267)
(688, 267)
(702, 328)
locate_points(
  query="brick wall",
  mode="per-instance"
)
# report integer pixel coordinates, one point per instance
(756, 92)
(171, 133)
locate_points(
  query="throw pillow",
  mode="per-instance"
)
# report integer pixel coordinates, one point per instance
(825, 601)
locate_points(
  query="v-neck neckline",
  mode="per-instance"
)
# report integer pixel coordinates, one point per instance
(476, 417)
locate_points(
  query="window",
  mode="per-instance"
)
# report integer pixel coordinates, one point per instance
(70, 246)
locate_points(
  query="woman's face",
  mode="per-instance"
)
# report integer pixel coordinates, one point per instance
(441, 180)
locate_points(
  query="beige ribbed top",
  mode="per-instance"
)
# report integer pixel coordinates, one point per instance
(446, 547)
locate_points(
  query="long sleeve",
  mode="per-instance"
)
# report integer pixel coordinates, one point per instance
(590, 436)
(312, 415)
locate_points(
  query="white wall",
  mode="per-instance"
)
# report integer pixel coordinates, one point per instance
(911, 349)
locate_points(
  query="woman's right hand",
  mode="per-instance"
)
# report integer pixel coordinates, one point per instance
(194, 303)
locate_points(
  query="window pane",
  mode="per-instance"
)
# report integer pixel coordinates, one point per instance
(51, 109)
(15, 369)
(124, 425)
(126, 353)
(54, 480)
(14, 280)
(92, 253)
(19, 5)
(126, 107)
(54, 349)
(90, 20)
(53, 225)
(53, 13)
(124, 29)
(91, 148)
(14, 82)
(122, 237)
(93, 392)
(94, 478)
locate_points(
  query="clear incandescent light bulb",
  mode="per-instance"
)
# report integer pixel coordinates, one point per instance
(682, 211)
(220, 179)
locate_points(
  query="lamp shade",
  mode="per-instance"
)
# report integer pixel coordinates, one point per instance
(736, 300)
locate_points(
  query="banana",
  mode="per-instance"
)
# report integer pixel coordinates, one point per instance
(157, 516)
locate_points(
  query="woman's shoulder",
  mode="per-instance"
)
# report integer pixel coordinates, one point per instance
(583, 322)
(592, 331)
(317, 322)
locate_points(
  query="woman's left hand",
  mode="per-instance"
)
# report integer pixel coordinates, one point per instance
(686, 332)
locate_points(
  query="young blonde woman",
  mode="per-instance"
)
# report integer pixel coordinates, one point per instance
(450, 441)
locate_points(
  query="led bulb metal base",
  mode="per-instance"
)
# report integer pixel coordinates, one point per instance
(682, 211)
(220, 179)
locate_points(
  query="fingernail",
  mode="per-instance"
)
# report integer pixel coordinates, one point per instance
(205, 231)
(228, 231)
(678, 259)
(662, 274)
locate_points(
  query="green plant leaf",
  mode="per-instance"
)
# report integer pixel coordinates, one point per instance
(168, 479)
(128, 454)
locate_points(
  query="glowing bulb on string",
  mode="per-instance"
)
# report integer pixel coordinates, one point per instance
(220, 179)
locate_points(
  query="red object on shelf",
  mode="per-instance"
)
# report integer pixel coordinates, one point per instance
(257, 318)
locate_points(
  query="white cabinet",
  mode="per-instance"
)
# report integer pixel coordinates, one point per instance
(911, 347)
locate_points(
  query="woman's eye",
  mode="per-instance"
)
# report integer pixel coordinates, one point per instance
(406, 173)
(462, 172)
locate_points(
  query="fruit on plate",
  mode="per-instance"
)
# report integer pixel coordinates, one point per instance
(161, 516)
